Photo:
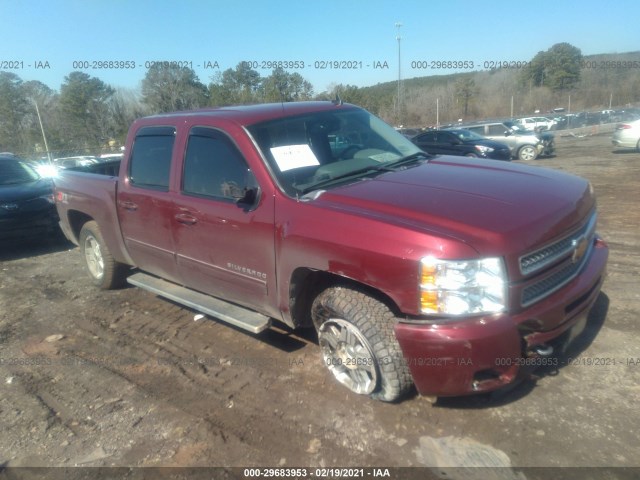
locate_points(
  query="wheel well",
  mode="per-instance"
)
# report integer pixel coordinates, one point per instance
(76, 221)
(307, 283)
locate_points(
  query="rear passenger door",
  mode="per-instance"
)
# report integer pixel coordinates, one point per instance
(222, 226)
(144, 203)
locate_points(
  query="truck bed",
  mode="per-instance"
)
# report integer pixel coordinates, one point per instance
(96, 194)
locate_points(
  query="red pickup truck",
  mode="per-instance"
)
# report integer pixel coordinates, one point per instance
(454, 275)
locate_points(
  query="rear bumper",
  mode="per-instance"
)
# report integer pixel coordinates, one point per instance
(482, 354)
(624, 142)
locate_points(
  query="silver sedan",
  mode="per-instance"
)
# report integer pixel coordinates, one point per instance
(627, 135)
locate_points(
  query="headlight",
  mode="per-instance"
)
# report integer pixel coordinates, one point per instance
(462, 287)
(483, 149)
(49, 198)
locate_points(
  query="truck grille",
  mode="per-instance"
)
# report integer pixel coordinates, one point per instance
(539, 259)
(565, 258)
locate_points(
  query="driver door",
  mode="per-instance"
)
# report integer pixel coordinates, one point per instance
(224, 246)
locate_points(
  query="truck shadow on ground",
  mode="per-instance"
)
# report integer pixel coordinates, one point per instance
(595, 321)
(27, 248)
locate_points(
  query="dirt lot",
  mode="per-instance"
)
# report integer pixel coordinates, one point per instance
(123, 378)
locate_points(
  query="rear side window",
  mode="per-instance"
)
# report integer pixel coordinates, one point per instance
(150, 163)
(213, 166)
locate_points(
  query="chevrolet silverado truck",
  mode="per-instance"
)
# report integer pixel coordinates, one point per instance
(447, 274)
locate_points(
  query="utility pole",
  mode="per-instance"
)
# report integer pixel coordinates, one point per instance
(399, 101)
(46, 146)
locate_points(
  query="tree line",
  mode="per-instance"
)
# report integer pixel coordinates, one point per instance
(88, 113)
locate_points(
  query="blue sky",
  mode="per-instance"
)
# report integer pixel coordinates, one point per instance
(363, 32)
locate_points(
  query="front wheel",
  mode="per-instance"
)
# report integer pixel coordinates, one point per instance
(527, 153)
(104, 270)
(359, 347)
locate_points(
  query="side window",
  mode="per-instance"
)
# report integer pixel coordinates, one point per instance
(429, 137)
(150, 163)
(478, 130)
(214, 167)
(444, 138)
(497, 130)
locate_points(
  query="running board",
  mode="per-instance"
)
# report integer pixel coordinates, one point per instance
(235, 315)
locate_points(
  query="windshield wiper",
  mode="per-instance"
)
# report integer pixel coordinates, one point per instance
(383, 167)
(344, 176)
(414, 157)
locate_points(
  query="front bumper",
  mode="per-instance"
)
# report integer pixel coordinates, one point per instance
(486, 353)
(28, 225)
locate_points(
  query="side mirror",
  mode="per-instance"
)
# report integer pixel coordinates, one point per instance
(248, 199)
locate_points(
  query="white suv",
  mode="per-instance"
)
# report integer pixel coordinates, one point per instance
(536, 123)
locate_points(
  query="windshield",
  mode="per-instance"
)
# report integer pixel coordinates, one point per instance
(14, 172)
(312, 149)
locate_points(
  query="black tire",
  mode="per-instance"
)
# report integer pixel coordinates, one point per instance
(103, 269)
(527, 153)
(356, 330)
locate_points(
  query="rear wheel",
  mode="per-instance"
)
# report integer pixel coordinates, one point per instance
(359, 347)
(527, 153)
(104, 270)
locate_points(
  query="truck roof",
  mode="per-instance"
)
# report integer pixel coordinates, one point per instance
(250, 114)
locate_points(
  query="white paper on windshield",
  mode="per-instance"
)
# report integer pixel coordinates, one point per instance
(294, 156)
(384, 157)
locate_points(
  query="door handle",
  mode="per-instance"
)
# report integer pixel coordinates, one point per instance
(132, 207)
(186, 219)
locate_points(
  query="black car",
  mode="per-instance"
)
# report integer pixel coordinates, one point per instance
(27, 206)
(461, 142)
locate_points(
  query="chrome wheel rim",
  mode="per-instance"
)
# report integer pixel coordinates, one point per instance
(527, 153)
(348, 355)
(93, 257)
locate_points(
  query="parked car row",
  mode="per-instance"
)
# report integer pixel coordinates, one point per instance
(498, 140)
(461, 142)
(586, 119)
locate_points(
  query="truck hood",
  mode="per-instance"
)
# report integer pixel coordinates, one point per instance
(496, 208)
(25, 191)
